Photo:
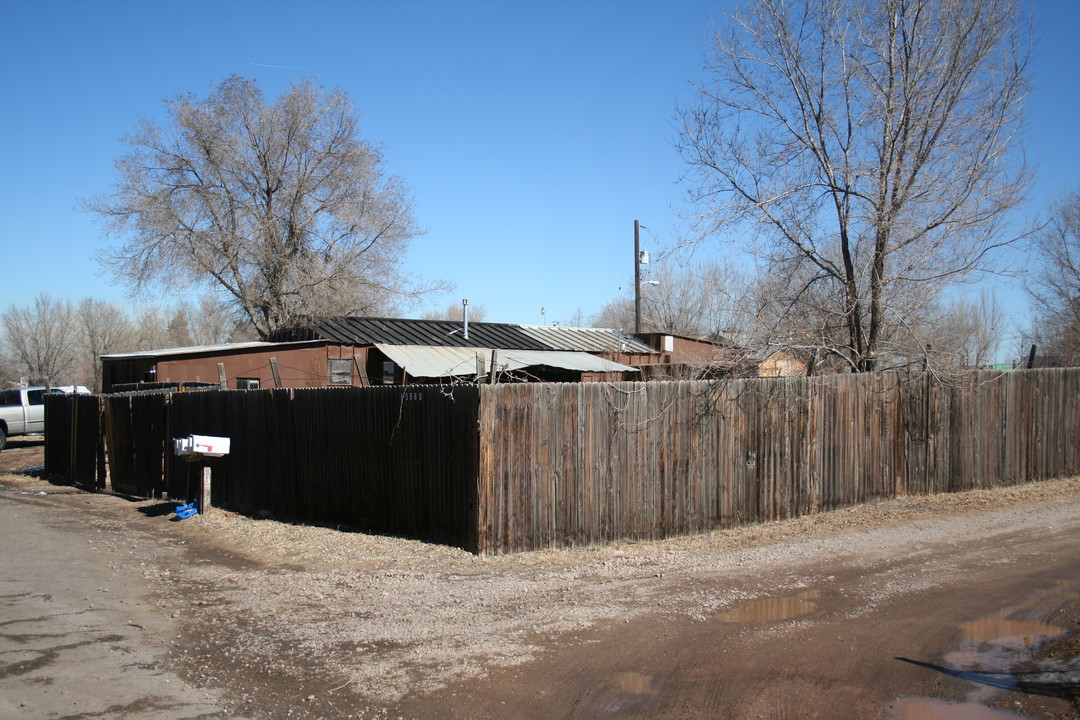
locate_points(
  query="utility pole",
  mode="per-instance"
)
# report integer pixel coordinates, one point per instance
(637, 279)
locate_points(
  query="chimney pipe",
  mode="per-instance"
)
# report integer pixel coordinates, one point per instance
(465, 314)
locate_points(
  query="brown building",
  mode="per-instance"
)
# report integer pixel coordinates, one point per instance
(378, 351)
(244, 365)
(681, 357)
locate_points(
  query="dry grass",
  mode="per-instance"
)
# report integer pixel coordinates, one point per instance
(298, 545)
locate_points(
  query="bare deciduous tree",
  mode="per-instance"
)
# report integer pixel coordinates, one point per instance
(211, 322)
(703, 300)
(282, 206)
(102, 328)
(9, 373)
(156, 328)
(864, 152)
(967, 333)
(456, 311)
(577, 318)
(618, 314)
(40, 339)
(1055, 288)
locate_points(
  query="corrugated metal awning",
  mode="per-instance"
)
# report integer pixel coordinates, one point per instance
(435, 362)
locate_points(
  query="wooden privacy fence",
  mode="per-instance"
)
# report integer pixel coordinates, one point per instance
(503, 468)
(580, 464)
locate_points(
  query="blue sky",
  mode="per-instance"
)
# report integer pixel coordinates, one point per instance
(532, 134)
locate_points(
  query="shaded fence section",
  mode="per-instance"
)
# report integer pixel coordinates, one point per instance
(137, 435)
(504, 468)
(393, 460)
(580, 464)
(74, 444)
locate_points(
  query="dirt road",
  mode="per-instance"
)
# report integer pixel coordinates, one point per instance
(82, 634)
(917, 635)
(959, 607)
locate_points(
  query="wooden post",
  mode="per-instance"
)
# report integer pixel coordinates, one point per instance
(637, 279)
(102, 469)
(491, 376)
(361, 371)
(222, 380)
(204, 490)
(73, 460)
(1031, 357)
(276, 372)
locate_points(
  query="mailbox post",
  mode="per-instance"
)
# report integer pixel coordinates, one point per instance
(196, 449)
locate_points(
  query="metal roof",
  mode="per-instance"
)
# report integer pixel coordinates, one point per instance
(434, 362)
(586, 339)
(403, 331)
(450, 333)
(192, 350)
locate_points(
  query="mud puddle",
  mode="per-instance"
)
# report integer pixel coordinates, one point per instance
(772, 609)
(989, 653)
(624, 692)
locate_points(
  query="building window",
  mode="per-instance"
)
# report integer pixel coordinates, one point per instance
(340, 372)
(247, 383)
(388, 372)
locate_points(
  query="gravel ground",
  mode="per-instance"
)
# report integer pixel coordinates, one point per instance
(419, 616)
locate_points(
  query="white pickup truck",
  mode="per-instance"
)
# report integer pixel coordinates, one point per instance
(22, 410)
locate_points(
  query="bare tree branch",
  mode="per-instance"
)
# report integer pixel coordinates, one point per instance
(40, 338)
(1055, 287)
(867, 147)
(280, 206)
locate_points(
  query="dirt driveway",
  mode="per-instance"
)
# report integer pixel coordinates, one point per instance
(964, 606)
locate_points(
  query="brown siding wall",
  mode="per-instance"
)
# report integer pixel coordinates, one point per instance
(687, 350)
(695, 352)
(299, 367)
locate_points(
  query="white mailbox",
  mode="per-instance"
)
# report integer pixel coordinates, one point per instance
(201, 446)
